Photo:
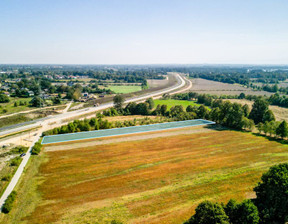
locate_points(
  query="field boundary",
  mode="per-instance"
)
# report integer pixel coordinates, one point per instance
(58, 138)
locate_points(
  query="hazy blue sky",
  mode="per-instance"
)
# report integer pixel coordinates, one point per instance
(144, 31)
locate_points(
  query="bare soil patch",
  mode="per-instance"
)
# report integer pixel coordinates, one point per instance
(157, 82)
(219, 88)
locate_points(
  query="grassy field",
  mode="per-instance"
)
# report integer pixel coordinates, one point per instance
(124, 89)
(10, 106)
(158, 180)
(172, 103)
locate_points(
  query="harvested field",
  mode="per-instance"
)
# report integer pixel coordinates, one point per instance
(219, 88)
(280, 84)
(280, 113)
(157, 82)
(159, 180)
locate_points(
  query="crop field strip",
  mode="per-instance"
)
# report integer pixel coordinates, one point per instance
(123, 131)
(159, 180)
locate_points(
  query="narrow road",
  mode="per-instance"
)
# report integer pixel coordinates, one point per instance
(19, 171)
(45, 126)
(68, 106)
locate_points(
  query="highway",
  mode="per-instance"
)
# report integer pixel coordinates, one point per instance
(44, 124)
(76, 113)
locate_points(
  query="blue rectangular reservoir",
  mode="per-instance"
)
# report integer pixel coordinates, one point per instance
(123, 131)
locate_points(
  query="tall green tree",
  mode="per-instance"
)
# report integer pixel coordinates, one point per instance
(37, 102)
(177, 109)
(242, 213)
(142, 109)
(272, 195)
(259, 108)
(202, 111)
(163, 109)
(150, 102)
(268, 116)
(209, 213)
(282, 130)
(118, 101)
(246, 110)
(4, 98)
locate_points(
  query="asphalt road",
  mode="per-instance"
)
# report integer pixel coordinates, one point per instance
(45, 126)
(71, 114)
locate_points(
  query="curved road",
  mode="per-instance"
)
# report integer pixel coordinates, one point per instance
(44, 126)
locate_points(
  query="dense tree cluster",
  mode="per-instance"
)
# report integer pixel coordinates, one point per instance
(98, 123)
(260, 111)
(269, 207)
(36, 149)
(232, 213)
(278, 100)
(4, 98)
(37, 102)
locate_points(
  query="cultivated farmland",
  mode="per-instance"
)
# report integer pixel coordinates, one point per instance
(218, 88)
(159, 180)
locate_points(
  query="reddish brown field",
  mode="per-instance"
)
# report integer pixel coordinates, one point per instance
(158, 180)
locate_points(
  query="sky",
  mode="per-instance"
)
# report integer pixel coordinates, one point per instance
(144, 32)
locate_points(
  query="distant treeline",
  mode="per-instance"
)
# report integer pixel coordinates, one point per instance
(275, 99)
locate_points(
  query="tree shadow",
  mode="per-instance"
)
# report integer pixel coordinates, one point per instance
(271, 138)
(217, 127)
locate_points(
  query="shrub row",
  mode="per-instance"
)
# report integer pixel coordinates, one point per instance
(9, 202)
(36, 148)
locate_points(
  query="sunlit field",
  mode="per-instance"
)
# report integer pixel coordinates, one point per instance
(158, 180)
(125, 89)
(172, 103)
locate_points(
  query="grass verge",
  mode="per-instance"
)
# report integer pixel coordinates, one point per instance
(27, 194)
